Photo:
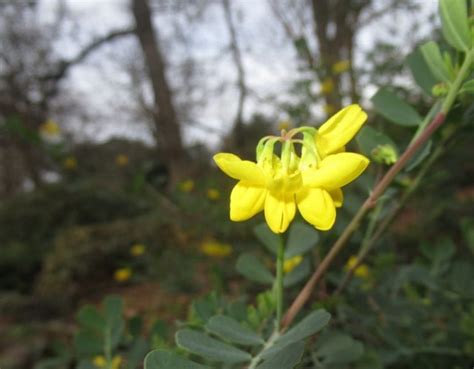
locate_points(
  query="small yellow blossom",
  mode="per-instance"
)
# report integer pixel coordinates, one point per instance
(186, 186)
(213, 194)
(99, 361)
(311, 183)
(327, 86)
(341, 66)
(70, 163)
(137, 249)
(122, 274)
(214, 248)
(121, 160)
(362, 271)
(116, 362)
(284, 125)
(292, 263)
(50, 132)
(329, 109)
(50, 127)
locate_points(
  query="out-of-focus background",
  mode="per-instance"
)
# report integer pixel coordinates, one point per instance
(111, 110)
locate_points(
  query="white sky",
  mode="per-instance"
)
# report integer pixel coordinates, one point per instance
(269, 61)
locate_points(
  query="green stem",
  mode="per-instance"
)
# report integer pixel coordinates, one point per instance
(454, 88)
(279, 282)
(379, 189)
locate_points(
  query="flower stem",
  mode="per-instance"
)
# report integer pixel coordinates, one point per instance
(379, 189)
(279, 282)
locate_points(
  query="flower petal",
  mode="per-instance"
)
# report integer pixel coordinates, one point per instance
(317, 208)
(340, 129)
(337, 197)
(243, 170)
(246, 201)
(279, 211)
(336, 171)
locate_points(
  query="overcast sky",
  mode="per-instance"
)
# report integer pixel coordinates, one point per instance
(269, 60)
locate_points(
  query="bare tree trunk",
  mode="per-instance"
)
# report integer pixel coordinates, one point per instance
(166, 121)
(238, 133)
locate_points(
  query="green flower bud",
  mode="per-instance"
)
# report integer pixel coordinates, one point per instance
(385, 154)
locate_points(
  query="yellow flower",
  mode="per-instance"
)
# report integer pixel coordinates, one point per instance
(284, 124)
(122, 274)
(137, 249)
(213, 194)
(50, 127)
(312, 184)
(292, 263)
(186, 186)
(50, 131)
(116, 362)
(121, 160)
(327, 86)
(341, 66)
(99, 361)
(362, 271)
(70, 163)
(213, 248)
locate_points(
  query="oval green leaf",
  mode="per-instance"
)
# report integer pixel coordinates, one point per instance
(286, 358)
(394, 109)
(231, 330)
(200, 344)
(251, 268)
(301, 239)
(310, 325)
(455, 23)
(435, 61)
(160, 359)
(269, 239)
(421, 72)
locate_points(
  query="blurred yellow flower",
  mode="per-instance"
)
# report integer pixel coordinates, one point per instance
(186, 186)
(292, 263)
(362, 271)
(99, 361)
(327, 86)
(50, 127)
(122, 274)
(214, 248)
(70, 163)
(213, 194)
(329, 109)
(116, 362)
(50, 132)
(137, 249)
(341, 66)
(284, 125)
(121, 160)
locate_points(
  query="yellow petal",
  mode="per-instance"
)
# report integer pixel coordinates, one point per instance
(336, 171)
(246, 201)
(243, 170)
(337, 197)
(340, 129)
(317, 208)
(279, 211)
